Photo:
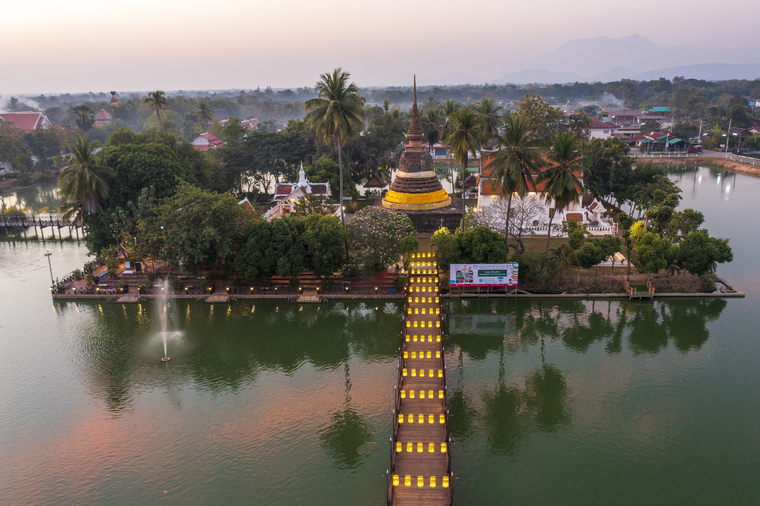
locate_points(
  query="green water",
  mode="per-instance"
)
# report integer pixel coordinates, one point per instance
(552, 402)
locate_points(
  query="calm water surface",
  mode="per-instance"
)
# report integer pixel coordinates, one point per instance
(552, 402)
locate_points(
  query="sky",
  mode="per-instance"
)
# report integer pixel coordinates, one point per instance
(52, 46)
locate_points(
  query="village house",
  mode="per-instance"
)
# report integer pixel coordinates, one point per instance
(602, 129)
(28, 121)
(206, 141)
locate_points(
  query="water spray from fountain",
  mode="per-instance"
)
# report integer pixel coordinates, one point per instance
(163, 314)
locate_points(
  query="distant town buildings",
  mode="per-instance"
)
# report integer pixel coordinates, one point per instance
(102, 118)
(287, 195)
(206, 141)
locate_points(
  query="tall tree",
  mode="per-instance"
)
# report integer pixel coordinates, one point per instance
(156, 100)
(205, 113)
(516, 162)
(488, 111)
(463, 135)
(83, 182)
(337, 115)
(84, 118)
(561, 176)
(431, 121)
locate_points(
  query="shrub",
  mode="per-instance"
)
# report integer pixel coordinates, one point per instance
(111, 273)
(122, 284)
(176, 284)
(151, 276)
(77, 274)
(294, 282)
(89, 279)
(144, 287)
(399, 282)
(327, 282)
(215, 276)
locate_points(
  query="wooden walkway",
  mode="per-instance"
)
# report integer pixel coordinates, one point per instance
(421, 448)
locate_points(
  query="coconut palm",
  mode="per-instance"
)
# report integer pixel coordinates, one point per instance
(490, 118)
(157, 100)
(450, 107)
(337, 115)
(516, 162)
(84, 117)
(561, 183)
(204, 113)
(463, 135)
(83, 182)
(430, 123)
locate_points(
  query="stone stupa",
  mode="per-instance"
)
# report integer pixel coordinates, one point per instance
(416, 187)
(416, 190)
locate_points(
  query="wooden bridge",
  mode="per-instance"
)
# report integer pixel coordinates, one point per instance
(421, 447)
(22, 222)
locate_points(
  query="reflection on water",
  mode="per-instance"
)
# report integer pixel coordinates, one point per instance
(37, 197)
(538, 397)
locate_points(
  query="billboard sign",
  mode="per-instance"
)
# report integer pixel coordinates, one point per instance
(483, 275)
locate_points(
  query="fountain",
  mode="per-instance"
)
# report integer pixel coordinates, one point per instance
(163, 314)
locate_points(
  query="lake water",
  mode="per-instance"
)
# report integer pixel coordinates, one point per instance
(553, 402)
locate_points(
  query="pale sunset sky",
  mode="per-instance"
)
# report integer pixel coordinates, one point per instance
(54, 46)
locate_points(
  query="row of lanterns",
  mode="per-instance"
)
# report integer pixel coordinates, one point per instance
(422, 372)
(422, 324)
(422, 338)
(422, 354)
(423, 301)
(421, 418)
(423, 255)
(421, 481)
(417, 311)
(430, 394)
(424, 289)
(420, 447)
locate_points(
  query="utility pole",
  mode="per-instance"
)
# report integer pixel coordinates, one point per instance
(728, 134)
(51, 268)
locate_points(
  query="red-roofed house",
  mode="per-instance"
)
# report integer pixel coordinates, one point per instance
(287, 194)
(102, 118)
(206, 141)
(27, 121)
(250, 124)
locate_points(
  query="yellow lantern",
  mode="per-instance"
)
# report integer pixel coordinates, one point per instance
(408, 480)
(399, 447)
(431, 448)
(416, 310)
(430, 394)
(408, 323)
(438, 324)
(411, 394)
(438, 338)
(440, 394)
(420, 481)
(409, 447)
(407, 338)
(414, 373)
(410, 299)
(421, 418)
(437, 310)
(445, 482)
(415, 338)
(431, 418)
(400, 418)
(430, 338)
(443, 447)
(409, 311)
(410, 418)
(416, 299)
(403, 372)
(430, 373)
(414, 354)
(395, 480)
(441, 418)
(432, 482)
(403, 394)
(406, 354)
(419, 447)
(415, 324)
(422, 394)
(427, 355)
(440, 373)
(437, 353)
(423, 310)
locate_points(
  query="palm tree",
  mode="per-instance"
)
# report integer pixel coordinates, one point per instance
(156, 99)
(337, 115)
(559, 178)
(83, 182)
(205, 113)
(84, 116)
(430, 123)
(463, 135)
(516, 162)
(450, 107)
(490, 118)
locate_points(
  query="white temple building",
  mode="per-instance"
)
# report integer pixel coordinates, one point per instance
(286, 195)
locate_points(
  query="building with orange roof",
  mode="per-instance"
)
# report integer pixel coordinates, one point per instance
(28, 121)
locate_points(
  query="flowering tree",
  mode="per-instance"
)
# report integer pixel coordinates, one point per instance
(376, 237)
(524, 212)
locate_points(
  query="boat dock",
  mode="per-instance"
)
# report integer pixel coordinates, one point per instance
(420, 471)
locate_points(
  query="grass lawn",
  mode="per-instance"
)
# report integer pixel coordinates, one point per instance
(539, 243)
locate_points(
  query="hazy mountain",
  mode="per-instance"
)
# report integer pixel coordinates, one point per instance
(452, 79)
(596, 57)
(540, 76)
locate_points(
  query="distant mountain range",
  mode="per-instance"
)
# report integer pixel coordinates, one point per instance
(605, 59)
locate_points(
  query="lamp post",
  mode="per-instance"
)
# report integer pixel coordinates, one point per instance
(51, 268)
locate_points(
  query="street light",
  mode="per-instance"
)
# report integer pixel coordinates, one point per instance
(51, 268)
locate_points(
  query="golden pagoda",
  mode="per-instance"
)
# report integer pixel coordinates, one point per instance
(416, 187)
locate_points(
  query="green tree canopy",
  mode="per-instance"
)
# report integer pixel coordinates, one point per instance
(376, 234)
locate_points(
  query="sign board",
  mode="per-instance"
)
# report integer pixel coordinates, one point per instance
(483, 275)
